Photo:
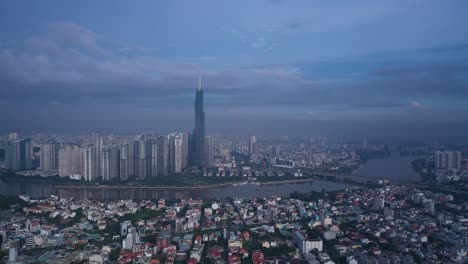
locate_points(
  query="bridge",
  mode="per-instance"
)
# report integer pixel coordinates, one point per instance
(330, 176)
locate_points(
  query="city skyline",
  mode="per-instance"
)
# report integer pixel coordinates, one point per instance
(315, 63)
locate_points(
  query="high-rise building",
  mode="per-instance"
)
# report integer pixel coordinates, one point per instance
(13, 136)
(448, 160)
(49, 156)
(185, 149)
(274, 151)
(253, 149)
(90, 168)
(70, 161)
(177, 152)
(163, 156)
(209, 150)
(130, 160)
(110, 163)
(114, 163)
(100, 143)
(141, 161)
(18, 154)
(151, 159)
(12, 155)
(123, 164)
(199, 131)
(105, 164)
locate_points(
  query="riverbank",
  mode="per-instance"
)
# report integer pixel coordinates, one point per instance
(175, 182)
(175, 188)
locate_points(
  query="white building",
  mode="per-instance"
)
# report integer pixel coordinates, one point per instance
(70, 161)
(178, 152)
(90, 169)
(306, 245)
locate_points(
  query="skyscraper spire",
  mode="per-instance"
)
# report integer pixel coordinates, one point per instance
(199, 131)
(199, 83)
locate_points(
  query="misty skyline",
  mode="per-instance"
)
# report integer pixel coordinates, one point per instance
(116, 66)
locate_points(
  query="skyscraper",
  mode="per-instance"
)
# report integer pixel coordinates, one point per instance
(448, 160)
(199, 131)
(100, 143)
(105, 164)
(209, 150)
(141, 161)
(185, 149)
(18, 155)
(177, 152)
(274, 151)
(151, 159)
(70, 160)
(253, 146)
(163, 156)
(123, 164)
(49, 156)
(114, 160)
(90, 172)
(110, 163)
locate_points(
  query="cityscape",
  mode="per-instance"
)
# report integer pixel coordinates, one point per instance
(260, 133)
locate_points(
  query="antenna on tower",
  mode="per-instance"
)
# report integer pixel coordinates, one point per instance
(199, 83)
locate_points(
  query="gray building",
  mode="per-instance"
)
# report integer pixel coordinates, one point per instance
(178, 145)
(49, 156)
(90, 168)
(123, 164)
(18, 154)
(209, 150)
(163, 156)
(448, 160)
(151, 159)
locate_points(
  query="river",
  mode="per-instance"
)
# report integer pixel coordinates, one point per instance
(394, 167)
(40, 190)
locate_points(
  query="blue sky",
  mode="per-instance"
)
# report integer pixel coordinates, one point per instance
(101, 64)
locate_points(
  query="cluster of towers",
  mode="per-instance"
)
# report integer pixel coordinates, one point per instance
(109, 158)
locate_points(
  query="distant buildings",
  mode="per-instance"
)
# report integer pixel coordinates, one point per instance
(12, 136)
(274, 151)
(448, 160)
(253, 148)
(18, 154)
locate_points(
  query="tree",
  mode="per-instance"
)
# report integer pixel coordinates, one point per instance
(114, 254)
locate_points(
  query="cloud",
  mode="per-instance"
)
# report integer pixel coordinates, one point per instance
(290, 73)
(416, 105)
(259, 43)
(76, 35)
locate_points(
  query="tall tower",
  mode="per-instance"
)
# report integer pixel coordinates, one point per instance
(90, 163)
(199, 131)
